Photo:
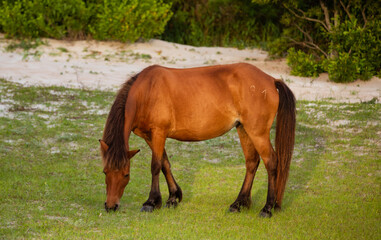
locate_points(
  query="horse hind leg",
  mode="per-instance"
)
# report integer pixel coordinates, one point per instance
(252, 163)
(174, 189)
(266, 151)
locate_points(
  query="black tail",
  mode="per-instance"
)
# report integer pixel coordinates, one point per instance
(285, 137)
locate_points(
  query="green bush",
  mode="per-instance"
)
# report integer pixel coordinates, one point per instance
(126, 20)
(347, 46)
(341, 68)
(17, 20)
(354, 53)
(44, 18)
(303, 64)
(362, 47)
(238, 23)
(129, 20)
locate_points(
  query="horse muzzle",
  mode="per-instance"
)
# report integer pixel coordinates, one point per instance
(115, 207)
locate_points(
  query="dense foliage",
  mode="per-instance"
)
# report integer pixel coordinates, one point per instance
(129, 20)
(237, 23)
(126, 20)
(341, 37)
(46, 18)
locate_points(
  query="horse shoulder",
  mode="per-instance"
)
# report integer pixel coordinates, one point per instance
(153, 104)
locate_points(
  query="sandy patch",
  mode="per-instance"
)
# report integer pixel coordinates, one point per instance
(106, 65)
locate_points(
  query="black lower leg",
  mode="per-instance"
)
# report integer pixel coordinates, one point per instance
(244, 196)
(266, 211)
(175, 192)
(174, 196)
(154, 199)
(243, 200)
(153, 202)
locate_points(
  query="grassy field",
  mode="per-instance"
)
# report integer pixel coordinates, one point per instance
(52, 185)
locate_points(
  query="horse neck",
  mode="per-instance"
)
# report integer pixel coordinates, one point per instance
(128, 122)
(126, 135)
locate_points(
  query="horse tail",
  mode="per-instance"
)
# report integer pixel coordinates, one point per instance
(285, 137)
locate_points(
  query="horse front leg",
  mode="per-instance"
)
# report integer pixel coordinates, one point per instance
(173, 188)
(157, 146)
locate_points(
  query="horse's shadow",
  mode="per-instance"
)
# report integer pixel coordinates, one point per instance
(309, 146)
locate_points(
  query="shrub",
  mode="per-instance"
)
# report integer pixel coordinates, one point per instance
(237, 23)
(362, 47)
(341, 68)
(354, 53)
(16, 20)
(78, 19)
(44, 18)
(345, 35)
(303, 64)
(129, 20)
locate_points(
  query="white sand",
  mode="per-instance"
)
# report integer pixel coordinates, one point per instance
(106, 65)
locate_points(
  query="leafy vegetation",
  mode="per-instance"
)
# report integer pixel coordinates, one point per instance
(79, 19)
(302, 64)
(223, 22)
(342, 38)
(52, 185)
(130, 20)
(44, 18)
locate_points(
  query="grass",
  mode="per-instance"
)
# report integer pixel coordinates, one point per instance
(26, 45)
(52, 186)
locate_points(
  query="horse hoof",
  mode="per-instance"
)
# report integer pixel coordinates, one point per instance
(234, 209)
(265, 214)
(277, 208)
(170, 204)
(146, 208)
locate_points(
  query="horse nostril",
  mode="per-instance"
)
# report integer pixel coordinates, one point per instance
(116, 207)
(107, 209)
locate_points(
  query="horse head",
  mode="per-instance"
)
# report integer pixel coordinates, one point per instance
(116, 179)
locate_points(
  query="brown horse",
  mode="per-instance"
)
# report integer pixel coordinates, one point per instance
(197, 104)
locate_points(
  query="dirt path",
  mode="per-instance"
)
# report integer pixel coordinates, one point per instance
(106, 65)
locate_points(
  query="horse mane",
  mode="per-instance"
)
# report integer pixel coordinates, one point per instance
(116, 155)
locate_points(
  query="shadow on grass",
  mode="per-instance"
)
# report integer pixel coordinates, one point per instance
(309, 147)
(188, 158)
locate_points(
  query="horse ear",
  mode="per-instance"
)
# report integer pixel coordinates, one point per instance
(104, 146)
(132, 153)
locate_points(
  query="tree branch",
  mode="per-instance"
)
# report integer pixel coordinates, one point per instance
(310, 45)
(335, 14)
(364, 16)
(304, 32)
(306, 18)
(346, 9)
(326, 15)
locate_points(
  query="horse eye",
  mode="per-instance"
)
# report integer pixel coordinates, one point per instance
(126, 175)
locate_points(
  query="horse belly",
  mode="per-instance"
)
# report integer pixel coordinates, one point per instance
(202, 125)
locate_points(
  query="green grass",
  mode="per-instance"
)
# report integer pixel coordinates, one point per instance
(26, 45)
(52, 185)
